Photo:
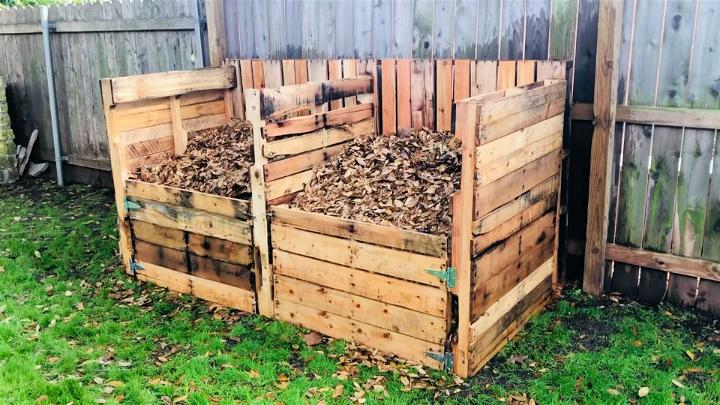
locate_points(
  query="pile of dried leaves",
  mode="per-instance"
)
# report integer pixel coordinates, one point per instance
(405, 180)
(216, 161)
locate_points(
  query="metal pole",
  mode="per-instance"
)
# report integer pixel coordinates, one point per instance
(199, 58)
(46, 26)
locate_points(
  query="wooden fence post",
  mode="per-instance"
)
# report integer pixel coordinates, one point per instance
(604, 108)
(214, 9)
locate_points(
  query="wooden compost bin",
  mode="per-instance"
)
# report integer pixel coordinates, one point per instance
(446, 301)
(187, 241)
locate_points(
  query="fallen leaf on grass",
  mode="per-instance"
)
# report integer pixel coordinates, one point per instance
(79, 306)
(116, 384)
(313, 338)
(338, 391)
(124, 363)
(68, 293)
(178, 400)
(253, 374)
(613, 391)
(517, 359)
(41, 399)
(2, 269)
(691, 355)
(643, 392)
(37, 254)
(678, 383)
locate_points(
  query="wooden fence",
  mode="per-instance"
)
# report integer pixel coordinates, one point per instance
(88, 42)
(663, 217)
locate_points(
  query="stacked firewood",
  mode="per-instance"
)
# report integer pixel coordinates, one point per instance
(404, 180)
(216, 161)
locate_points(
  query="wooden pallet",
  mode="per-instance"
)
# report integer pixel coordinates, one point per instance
(512, 158)
(380, 293)
(187, 241)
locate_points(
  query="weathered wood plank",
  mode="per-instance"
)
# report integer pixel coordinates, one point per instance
(314, 122)
(192, 220)
(377, 313)
(395, 263)
(686, 266)
(426, 299)
(389, 117)
(417, 242)
(340, 327)
(422, 29)
(133, 88)
(444, 94)
(318, 139)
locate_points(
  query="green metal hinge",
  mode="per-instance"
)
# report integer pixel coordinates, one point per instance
(449, 276)
(447, 359)
(135, 267)
(131, 205)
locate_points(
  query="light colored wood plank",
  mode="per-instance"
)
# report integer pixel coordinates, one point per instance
(509, 210)
(362, 333)
(461, 80)
(605, 103)
(180, 137)
(155, 85)
(359, 255)
(377, 313)
(506, 74)
(426, 299)
(362, 231)
(389, 117)
(301, 162)
(462, 204)
(525, 72)
(404, 76)
(318, 139)
(483, 77)
(444, 72)
(288, 185)
(495, 170)
(505, 189)
(500, 149)
(509, 300)
(335, 73)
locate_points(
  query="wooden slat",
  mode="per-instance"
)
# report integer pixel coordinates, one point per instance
(288, 71)
(484, 240)
(389, 119)
(339, 327)
(156, 85)
(483, 77)
(665, 116)
(192, 220)
(288, 185)
(223, 272)
(422, 94)
(318, 139)
(258, 74)
(461, 80)
(377, 313)
(493, 171)
(309, 123)
(395, 263)
(509, 300)
(209, 290)
(504, 252)
(502, 117)
(664, 261)
(311, 94)
(495, 337)
(501, 149)
(334, 73)
(349, 69)
(158, 235)
(404, 80)
(606, 84)
(230, 207)
(444, 72)
(219, 249)
(497, 283)
(505, 189)
(426, 299)
(505, 74)
(301, 162)
(362, 231)
(160, 255)
(498, 216)
(525, 72)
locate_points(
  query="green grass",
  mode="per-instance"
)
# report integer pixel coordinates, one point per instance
(74, 328)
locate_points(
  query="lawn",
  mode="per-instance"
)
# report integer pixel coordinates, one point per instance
(75, 329)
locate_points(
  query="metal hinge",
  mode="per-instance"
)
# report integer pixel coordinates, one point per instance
(135, 267)
(131, 205)
(447, 359)
(449, 276)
